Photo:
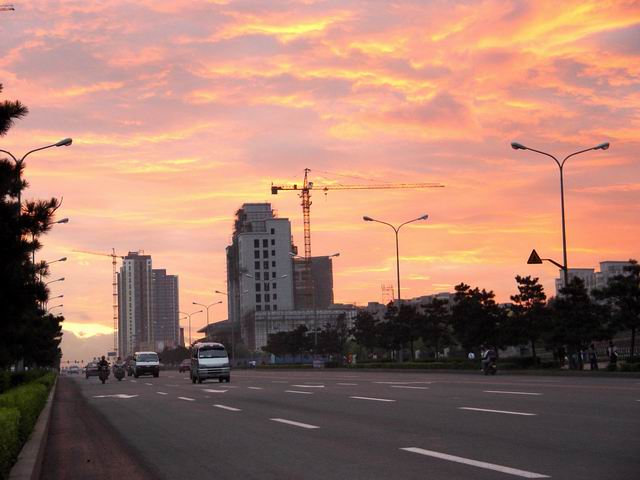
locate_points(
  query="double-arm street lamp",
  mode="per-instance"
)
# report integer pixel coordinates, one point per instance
(62, 143)
(189, 317)
(602, 146)
(207, 307)
(396, 230)
(54, 281)
(57, 306)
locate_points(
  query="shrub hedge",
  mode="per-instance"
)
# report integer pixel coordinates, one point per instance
(9, 439)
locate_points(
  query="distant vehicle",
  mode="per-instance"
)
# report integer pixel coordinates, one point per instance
(73, 370)
(146, 363)
(185, 366)
(91, 370)
(209, 360)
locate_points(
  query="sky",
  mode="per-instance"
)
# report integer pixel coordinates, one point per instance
(181, 111)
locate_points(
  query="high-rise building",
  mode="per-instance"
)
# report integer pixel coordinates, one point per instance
(165, 309)
(321, 294)
(259, 264)
(592, 279)
(135, 327)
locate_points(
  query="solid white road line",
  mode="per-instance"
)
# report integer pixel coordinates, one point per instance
(255, 388)
(212, 390)
(498, 411)
(511, 393)
(149, 384)
(295, 424)
(308, 386)
(475, 463)
(162, 393)
(374, 399)
(188, 399)
(298, 391)
(409, 386)
(347, 384)
(231, 409)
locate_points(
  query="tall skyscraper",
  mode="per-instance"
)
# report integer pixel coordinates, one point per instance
(165, 309)
(321, 294)
(259, 264)
(135, 330)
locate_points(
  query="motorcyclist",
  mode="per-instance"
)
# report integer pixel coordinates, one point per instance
(489, 356)
(118, 364)
(103, 364)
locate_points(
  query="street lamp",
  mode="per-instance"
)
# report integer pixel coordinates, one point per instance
(233, 326)
(54, 281)
(62, 143)
(396, 230)
(602, 146)
(49, 309)
(207, 307)
(189, 316)
(63, 259)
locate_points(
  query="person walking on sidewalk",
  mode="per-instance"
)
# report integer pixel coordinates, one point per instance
(612, 353)
(593, 357)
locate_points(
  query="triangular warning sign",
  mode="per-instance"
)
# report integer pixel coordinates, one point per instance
(534, 257)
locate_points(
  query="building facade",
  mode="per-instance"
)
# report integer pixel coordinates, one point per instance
(165, 301)
(321, 293)
(259, 264)
(135, 326)
(592, 279)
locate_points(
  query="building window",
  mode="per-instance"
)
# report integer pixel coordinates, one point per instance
(266, 307)
(273, 241)
(258, 298)
(256, 254)
(275, 296)
(273, 231)
(274, 285)
(265, 264)
(256, 243)
(257, 287)
(266, 286)
(273, 253)
(273, 274)
(275, 307)
(273, 263)
(256, 265)
(265, 243)
(266, 297)
(258, 308)
(265, 254)
(257, 275)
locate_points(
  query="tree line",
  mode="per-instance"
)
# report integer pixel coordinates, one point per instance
(28, 334)
(566, 324)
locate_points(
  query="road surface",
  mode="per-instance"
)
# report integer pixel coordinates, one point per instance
(372, 425)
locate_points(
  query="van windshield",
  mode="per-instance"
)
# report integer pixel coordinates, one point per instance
(212, 352)
(147, 357)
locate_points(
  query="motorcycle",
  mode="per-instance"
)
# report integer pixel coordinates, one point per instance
(118, 372)
(490, 368)
(103, 374)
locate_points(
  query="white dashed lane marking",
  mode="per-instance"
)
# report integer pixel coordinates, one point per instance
(162, 393)
(308, 386)
(231, 409)
(511, 393)
(210, 390)
(475, 463)
(188, 399)
(498, 411)
(409, 386)
(298, 391)
(255, 388)
(373, 399)
(295, 424)
(350, 384)
(150, 384)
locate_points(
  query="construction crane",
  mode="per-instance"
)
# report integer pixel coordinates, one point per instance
(113, 256)
(305, 195)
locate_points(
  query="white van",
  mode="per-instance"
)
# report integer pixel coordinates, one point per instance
(146, 363)
(209, 360)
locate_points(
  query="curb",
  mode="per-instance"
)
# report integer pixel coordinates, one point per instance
(29, 463)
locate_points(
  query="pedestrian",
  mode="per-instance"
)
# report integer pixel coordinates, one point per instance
(612, 353)
(593, 357)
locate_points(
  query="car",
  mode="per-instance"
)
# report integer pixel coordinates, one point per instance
(146, 363)
(73, 370)
(91, 370)
(185, 366)
(209, 360)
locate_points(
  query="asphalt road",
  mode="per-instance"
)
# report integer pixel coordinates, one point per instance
(375, 425)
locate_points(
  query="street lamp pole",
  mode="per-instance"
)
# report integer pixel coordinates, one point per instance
(396, 231)
(189, 316)
(207, 307)
(602, 146)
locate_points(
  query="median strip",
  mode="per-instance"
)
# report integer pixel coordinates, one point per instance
(373, 399)
(497, 411)
(295, 424)
(475, 463)
(188, 399)
(231, 409)
(298, 391)
(511, 393)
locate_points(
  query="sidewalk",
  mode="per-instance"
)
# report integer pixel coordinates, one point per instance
(82, 445)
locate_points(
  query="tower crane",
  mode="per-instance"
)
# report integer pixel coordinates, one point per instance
(113, 256)
(305, 195)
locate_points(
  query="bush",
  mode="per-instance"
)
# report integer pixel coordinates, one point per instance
(29, 400)
(630, 366)
(9, 439)
(5, 381)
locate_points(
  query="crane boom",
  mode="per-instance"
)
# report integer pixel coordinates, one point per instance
(114, 285)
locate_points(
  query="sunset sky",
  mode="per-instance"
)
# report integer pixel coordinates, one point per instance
(182, 111)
